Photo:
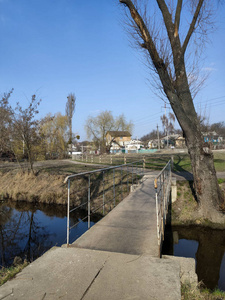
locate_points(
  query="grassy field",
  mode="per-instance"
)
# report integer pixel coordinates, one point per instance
(181, 161)
(156, 161)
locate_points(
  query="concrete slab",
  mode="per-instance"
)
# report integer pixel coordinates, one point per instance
(130, 228)
(72, 273)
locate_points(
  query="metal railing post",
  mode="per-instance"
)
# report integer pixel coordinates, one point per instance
(103, 187)
(136, 174)
(89, 201)
(68, 215)
(162, 199)
(114, 192)
(143, 165)
(132, 175)
(121, 184)
(127, 180)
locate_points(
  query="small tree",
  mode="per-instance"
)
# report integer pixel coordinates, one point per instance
(24, 131)
(70, 108)
(53, 131)
(5, 122)
(168, 124)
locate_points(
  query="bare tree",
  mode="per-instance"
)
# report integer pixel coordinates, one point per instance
(168, 45)
(168, 123)
(97, 127)
(70, 108)
(24, 135)
(5, 122)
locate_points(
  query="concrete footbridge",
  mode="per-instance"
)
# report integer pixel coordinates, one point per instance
(117, 258)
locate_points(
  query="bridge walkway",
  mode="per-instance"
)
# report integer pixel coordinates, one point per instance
(130, 228)
(117, 259)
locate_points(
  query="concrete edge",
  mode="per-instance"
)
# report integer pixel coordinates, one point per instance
(187, 269)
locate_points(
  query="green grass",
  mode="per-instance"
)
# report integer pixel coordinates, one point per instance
(221, 180)
(66, 169)
(157, 161)
(189, 292)
(219, 161)
(10, 272)
(182, 162)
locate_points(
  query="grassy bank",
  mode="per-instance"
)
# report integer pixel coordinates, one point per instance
(184, 210)
(47, 185)
(10, 272)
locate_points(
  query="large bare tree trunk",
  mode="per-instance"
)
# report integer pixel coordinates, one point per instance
(206, 186)
(169, 64)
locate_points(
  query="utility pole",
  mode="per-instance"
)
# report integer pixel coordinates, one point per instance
(158, 136)
(166, 127)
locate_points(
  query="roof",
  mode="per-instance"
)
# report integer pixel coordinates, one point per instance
(118, 133)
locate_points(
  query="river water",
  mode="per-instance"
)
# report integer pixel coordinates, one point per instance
(28, 230)
(206, 246)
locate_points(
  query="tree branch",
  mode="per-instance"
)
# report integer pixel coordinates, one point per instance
(167, 19)
(149, 45)
(192, 25)
(177, 17)
(172, 29)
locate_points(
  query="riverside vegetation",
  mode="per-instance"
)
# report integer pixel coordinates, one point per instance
(47, 184)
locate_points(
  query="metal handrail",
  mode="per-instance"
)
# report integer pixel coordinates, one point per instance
(67, 180)
(100, 170)
(162, 193)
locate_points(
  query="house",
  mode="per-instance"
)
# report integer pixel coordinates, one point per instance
(170, 140)
(180, 142)
(116, 140)
(153, 144)
(212, 137)
(133, 146)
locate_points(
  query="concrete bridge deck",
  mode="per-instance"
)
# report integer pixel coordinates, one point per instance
(130, 228)
(116, 259)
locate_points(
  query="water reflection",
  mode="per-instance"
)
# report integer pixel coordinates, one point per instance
(206, 245)
(28, 230)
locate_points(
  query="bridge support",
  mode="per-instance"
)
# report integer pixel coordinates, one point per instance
(173, 190)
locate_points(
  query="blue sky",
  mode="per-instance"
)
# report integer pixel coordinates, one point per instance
(54, 47)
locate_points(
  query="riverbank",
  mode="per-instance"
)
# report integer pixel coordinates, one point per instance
(47, 185)
(43, 188)
(185, 211)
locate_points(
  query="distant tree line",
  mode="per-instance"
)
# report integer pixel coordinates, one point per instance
(218, 128)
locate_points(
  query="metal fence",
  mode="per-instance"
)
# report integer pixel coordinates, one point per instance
(100, 190)
(108, 159)
(162, 194)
